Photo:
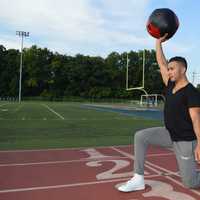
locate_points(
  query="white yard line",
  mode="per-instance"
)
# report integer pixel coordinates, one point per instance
(53, 111)
(4, 104)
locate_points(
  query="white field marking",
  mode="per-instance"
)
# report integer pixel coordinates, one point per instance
(161, 189)
(18, 108)
(61, 162)
(93, 153)
(37, 150)
(4, 104)
(158, 172)
(177, 182)
(158, 167)
(53, 111)
(66, 185)
(4, 110)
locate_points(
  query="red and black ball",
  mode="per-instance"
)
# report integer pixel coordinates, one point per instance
(161, 21)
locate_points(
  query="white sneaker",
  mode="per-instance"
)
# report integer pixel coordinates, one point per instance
(134, 184)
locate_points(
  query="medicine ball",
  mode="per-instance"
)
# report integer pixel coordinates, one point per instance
(162, 21)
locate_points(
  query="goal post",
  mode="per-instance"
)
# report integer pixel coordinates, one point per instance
(151, 99)
(127, 73)
(145, 99)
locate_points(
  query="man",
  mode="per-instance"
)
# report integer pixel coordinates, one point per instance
(182, 124)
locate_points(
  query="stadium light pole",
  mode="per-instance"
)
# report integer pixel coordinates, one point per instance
(21, 34)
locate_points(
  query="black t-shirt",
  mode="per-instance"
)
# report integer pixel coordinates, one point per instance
(176, 111)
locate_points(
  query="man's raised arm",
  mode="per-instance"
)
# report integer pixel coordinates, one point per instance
(162, 62)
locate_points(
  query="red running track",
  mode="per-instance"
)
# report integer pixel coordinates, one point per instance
(88, 174)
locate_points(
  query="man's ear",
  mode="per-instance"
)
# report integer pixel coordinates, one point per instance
(183, 70)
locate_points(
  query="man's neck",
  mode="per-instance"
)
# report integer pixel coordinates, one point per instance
(181, 83)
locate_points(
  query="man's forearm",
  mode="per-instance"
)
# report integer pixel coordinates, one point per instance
(162, 62)
(160, 55)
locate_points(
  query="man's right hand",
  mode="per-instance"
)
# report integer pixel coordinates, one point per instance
(163, 38)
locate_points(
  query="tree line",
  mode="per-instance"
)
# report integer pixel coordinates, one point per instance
(54, 75)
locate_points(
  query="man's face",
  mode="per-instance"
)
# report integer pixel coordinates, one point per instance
(175, 70)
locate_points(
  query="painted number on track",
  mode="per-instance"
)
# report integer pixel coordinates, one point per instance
(110, 174)
(158, 188)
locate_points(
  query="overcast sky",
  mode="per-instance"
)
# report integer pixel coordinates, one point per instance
(99, 27)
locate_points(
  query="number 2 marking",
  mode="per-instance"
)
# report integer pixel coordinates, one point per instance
(119, 164)
(158, 188)
(165, 190)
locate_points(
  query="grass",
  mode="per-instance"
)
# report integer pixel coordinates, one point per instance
(38, 125)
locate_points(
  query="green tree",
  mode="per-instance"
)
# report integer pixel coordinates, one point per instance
(9, 72)
(36, 72)
(55, 75)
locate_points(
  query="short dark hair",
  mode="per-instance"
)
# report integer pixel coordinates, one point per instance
(179, 59)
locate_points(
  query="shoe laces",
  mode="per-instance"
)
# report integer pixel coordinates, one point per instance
(131, 180)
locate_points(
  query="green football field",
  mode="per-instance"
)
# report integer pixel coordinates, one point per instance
(38, 125)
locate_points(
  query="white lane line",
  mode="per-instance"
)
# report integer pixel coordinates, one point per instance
(56, 149)
(74, 148)
(133, 199)
(159, 154)
(60, 161)
(53, 111)
(40, 150)
(70, 161)
(158, 167)
(67, 185)
(57, 186)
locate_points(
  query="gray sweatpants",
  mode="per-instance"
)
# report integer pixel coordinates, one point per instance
(184, 152)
